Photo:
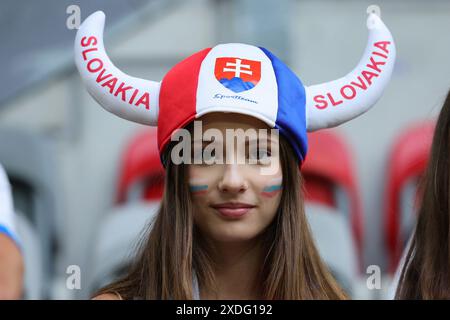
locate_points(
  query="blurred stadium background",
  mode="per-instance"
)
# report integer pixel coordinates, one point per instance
(85, 182)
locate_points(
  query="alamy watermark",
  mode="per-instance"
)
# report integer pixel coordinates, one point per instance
(373, 281)
(73, 280)
(74, 19)
(250, 146)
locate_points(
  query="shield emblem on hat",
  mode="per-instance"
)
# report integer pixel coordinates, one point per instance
(237, 74)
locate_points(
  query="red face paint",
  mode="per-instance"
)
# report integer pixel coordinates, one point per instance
(271, 191)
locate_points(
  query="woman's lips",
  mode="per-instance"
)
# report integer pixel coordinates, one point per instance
(233, 210)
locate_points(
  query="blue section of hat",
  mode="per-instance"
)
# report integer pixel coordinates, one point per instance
(291, 115)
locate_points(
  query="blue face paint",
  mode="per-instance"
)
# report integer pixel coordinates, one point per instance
(198, 189)
(270, 191)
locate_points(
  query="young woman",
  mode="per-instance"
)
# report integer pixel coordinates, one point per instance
(426, 268)
(233, 229)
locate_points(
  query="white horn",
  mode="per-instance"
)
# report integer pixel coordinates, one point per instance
(332, 103)
(130, 98)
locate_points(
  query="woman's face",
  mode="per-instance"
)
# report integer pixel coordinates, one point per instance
(235, 201)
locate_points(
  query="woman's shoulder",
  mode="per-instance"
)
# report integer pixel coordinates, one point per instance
(108, 296)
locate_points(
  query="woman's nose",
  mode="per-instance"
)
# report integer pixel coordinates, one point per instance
(233, 180)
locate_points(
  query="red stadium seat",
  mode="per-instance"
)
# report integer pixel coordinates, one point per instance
(329, 176)
(140, 189)
(141, 169)
(407, 162)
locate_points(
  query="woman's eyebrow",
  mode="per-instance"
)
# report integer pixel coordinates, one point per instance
(268, 140)
(202, 141)
(247, 141)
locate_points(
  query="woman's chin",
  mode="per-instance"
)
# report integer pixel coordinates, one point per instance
(233, 234)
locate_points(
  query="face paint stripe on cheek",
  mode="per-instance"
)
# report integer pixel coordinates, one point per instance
(198, 189)
(274, 187)
(271, 191)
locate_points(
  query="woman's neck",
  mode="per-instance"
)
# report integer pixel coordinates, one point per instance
(237, 270)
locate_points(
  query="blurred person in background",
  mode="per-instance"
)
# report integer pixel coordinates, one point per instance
(425, 269)
(231, 231)
(11, 261)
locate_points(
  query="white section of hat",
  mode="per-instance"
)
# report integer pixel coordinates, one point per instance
(261, 101)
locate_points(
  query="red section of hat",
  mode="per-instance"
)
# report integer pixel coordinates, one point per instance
(178, 97)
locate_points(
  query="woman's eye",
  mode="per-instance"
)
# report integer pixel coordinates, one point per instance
(202, 157)
(261, 155)
(209, 156)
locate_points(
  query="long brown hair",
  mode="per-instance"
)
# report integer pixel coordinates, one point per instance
(426, 271)
(173, 248)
